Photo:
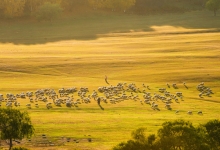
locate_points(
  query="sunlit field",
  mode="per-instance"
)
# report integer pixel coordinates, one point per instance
(80, 51)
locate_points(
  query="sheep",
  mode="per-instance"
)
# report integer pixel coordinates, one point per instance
(28, 106)
(179, 94)
(22, 95)
(9, 104)
(199, 112)
(189, 112)
(162, 90)
(1, 97)
(18, 96)
(61, 91)
(16, 104)
(49, 105)
(29, 94)
(71, 90)
(68, 104)
(154, 105)
(147, 101)
(31, 99)
(200, 95)
(167, 94)
(175, 86)
(168, 106)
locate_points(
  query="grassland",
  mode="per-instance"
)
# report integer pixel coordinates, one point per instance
(80, 51)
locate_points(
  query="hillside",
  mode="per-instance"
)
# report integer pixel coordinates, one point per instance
(79, 51)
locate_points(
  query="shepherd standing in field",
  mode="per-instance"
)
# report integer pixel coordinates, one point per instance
(98, 101)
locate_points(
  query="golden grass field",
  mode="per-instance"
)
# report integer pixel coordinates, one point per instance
(79, 52)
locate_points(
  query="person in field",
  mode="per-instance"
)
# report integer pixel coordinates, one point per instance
(106, 79)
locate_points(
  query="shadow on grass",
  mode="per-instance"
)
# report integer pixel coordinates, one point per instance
(101, 107)
(91, 27)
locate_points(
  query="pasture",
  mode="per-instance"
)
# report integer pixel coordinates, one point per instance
(80, 51)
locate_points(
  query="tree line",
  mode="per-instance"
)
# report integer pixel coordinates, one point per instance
(176, 135)
(29, 8)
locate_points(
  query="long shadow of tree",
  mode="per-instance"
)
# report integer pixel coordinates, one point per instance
(90, 27)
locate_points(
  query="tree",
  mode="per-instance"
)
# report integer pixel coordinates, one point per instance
(176, 135)
(119, 4)
(139, 135)
(97, 3)
(48, 11)
(180, 134)
(139, 142)
(72, 5)
(112, 4)
(213, 130)
(31, 6)
(15, 124)
(12, 8)
(213, 5)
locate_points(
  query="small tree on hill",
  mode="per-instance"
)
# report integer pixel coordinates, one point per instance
(49, 11)
(213, 5)
(15, 124)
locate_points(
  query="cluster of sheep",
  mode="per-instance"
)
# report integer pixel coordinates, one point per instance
(165, 97)
(204, 91)
(72, 97)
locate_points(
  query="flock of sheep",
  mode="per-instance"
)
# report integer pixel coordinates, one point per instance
(73, 97)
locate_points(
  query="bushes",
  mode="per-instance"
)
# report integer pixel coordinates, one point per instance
(178, 134)
(48, 11)
(19, 148)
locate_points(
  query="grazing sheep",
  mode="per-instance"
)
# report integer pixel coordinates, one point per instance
(199, 112)
(189, 112)
(1, 97)
(175, 86)
(154, 105)
(68, 104)
(168, 106)
(49, 105)
(179, 94)
(162, 90)
(9, 104)
(28, 106)
(16, 104)
(147, 101)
